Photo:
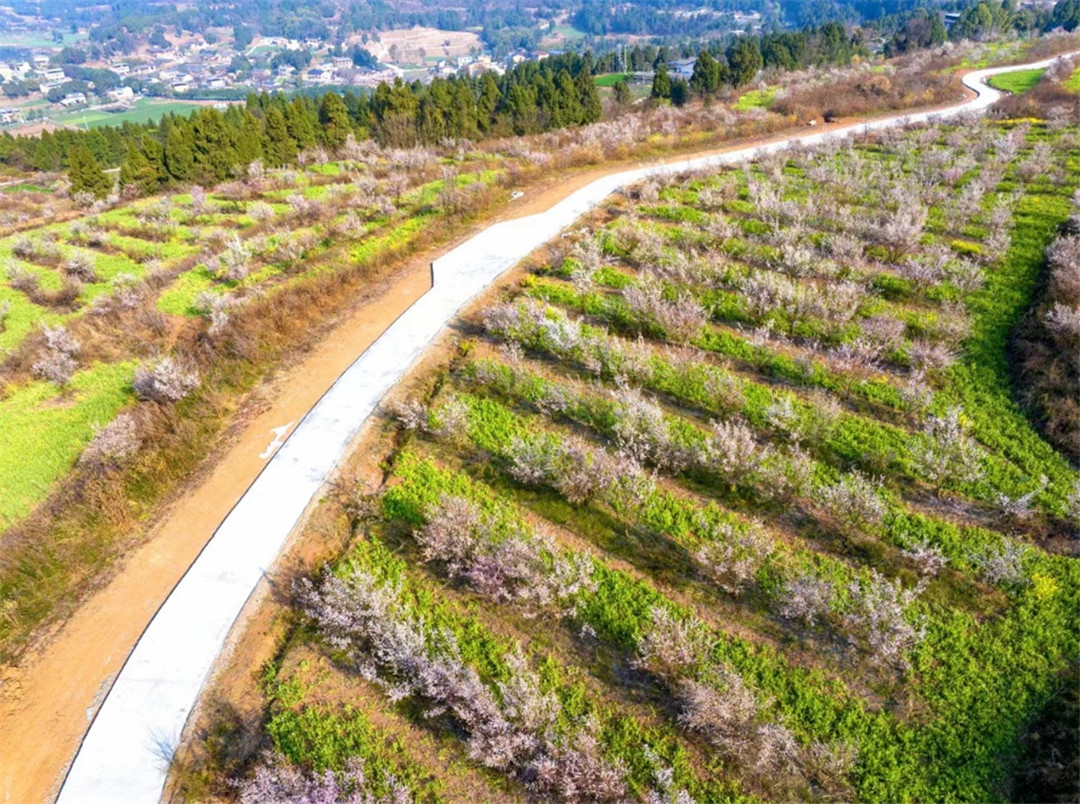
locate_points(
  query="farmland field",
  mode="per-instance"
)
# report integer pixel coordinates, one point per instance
(729, 500)
(41, 40)
(145, 109)
(407, 44)
(216, 286)
(1017, 82)
(610, 79)
(756, 98)
(96, 311)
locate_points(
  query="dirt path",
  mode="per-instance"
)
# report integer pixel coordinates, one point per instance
(46, 702)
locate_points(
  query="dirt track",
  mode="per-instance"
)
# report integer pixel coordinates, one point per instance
(46, 702)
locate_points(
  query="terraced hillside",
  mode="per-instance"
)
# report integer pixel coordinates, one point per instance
(111, 320)
(730, 500)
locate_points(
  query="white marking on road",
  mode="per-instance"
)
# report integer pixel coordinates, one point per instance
(279, 439)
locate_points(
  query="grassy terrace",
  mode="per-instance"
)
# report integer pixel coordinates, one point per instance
(1017, 82)
(216, 280)
(117, 251)
(729, 500)
(756, 99)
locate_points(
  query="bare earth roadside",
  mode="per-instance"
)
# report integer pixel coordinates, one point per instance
(46, 702)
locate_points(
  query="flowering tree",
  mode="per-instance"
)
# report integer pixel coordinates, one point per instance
(58, 363)
(681, 320)
(946, 453)
(732, 452)
(164, 381)
(900, 230)
(511, 731)
(672, 645)
(731, 556)
(569, 465)
(81, 266)
(854, 500)
(1003, 564)
(876, 621)
(112, 444)
(234, 263)
(642, 433)
(275, 780)
(806, 598)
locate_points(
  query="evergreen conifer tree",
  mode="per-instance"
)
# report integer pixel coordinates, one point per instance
(180, 152)
(279, 147)
(334, 122)
(706, 77)
(301, 124)
(661, 83)
(86, 175)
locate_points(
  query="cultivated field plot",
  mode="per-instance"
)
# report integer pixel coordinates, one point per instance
(142, 111)
(415, 45)
(730, 500)
(83, 302)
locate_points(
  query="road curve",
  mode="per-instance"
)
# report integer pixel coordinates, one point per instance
(126, 751)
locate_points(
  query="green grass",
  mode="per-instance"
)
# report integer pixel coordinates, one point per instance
(143, 111)
(25, 187)
(398, 237)
(179, 298)
(568, 32)
(23, 315)
(328, 169)
(1018, 82)
(755, 99)
(429, 193)
(610, 79)
(1073, 84)
(42, 432)
(992, 51)
(41, 39)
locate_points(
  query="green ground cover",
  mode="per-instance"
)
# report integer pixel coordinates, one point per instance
(1018, 82)
(611, 79)
(42, 431)
(142, 111)
(671, 471)
(756, 99)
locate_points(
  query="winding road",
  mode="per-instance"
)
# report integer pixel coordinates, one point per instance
(125, 754)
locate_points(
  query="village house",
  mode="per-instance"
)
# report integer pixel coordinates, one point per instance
(11, 116)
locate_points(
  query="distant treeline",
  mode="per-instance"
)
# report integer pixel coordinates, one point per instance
(982, 20)
(744, 57)
(784, 50)
(209, 146)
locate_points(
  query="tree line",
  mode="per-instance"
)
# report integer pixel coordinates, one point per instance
(210, 145)
(981, 20)
(745, 56)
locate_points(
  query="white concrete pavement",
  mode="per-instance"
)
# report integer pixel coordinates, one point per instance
(125, 754)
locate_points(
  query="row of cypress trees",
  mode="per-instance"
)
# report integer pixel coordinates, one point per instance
(209, 145)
